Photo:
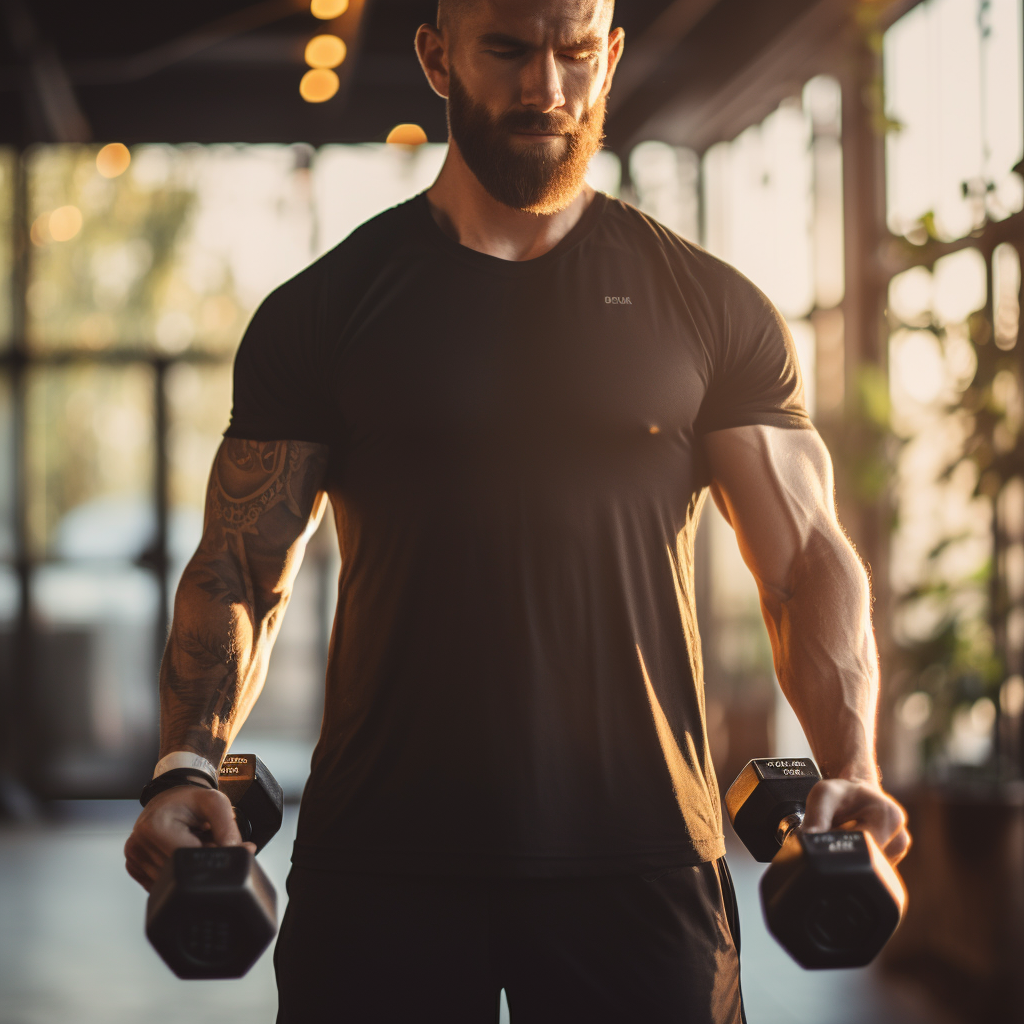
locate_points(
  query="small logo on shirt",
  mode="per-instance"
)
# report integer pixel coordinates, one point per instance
(618, 300)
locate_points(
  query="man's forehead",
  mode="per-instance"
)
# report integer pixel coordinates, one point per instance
(538, 19)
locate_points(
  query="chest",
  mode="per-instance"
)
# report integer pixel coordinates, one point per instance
(595, 351)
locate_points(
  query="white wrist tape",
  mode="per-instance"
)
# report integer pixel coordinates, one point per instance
(185, 759)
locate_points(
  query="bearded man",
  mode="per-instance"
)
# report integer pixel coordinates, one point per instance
(516, 394)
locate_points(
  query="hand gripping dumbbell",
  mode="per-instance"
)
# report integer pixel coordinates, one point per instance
(831, 899)
(213, 911)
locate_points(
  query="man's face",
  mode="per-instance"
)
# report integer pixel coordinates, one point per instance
(526, 97)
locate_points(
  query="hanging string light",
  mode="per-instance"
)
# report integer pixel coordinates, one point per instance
(406, 135)
(325, 51)
(327, 10)
(113, 160)
(318, 85)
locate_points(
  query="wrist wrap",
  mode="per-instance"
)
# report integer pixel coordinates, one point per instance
(176, 777)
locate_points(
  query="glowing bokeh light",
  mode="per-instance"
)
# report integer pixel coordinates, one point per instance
(911, 296)
(983, 714)
(1011, 696)
(960, 285)
(917, 365)
(40, 230)
(325, 51)
(318, 85)
(65, 222)
(1006, 295)
(407, 135)
(915, 709)
(113, 160)
(325, 10)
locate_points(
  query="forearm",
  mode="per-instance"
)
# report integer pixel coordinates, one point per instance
(215, 662)
(825, 655)
(263, 501)
(775, 487)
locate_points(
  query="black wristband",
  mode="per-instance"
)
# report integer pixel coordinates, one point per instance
(176, 777)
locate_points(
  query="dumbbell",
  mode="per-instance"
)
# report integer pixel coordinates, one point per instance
(213, 911)
(831, 899)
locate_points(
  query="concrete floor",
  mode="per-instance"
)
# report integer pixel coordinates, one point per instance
(72, 949)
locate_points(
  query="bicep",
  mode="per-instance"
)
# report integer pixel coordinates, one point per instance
(775, 487)
(263, 500)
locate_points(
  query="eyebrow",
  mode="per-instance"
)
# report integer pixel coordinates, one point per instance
(501, 39)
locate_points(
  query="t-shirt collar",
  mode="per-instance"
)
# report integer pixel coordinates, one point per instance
(437, 237)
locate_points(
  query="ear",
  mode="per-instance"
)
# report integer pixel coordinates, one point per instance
(432, 51)
(616, 42)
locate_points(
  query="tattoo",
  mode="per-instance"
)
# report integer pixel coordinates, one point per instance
(253, 478)
(261, 500)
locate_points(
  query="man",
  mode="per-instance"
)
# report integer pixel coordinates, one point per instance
(516, 394)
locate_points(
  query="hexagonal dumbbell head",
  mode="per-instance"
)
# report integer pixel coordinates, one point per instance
(255, 796)
(831, 898)
(767, 799)
(212, 912)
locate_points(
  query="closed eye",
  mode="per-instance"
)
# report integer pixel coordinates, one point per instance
(569, 54)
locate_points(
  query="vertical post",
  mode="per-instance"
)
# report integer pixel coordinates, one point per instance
(16, 695)
(997, 604)
(160, 555)
(866, 336)
(155, 557)
(1015, 737)
(1015, 769)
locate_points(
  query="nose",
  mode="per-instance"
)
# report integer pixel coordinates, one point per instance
(542, 83)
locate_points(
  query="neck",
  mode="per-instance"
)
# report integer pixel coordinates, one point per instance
(467, 212)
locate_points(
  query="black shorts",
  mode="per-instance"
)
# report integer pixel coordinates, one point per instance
(397, 949)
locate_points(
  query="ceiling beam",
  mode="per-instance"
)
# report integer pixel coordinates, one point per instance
(51, 105)
(115, 70)
(642, 58)
(737, 64)
(728, 37)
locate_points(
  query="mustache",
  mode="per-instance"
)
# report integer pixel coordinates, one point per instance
(553, 123)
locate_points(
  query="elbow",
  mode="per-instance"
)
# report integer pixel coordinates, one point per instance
(270, 603)
(825, 561)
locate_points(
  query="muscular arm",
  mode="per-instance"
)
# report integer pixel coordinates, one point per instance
(775, 487)
(263, 502)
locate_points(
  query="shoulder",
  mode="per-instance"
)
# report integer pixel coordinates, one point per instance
(696, 271)
(358, 255)
(330, 287)
(374, 240)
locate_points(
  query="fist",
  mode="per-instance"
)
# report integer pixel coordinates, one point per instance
(862, 806)
(182, 816)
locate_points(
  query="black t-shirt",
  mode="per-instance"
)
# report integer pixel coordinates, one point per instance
(516, 472)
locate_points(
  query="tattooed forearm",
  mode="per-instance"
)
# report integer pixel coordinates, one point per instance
(263, 499)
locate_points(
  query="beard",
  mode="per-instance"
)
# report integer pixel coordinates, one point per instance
(530, 178)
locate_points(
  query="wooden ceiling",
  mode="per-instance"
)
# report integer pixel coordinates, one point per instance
(228, 70)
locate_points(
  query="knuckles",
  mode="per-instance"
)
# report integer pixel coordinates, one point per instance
(167, 822)
(845, 800)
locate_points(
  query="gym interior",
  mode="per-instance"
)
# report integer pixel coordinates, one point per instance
(859, 160)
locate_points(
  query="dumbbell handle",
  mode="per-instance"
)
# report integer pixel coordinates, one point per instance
(788, 824)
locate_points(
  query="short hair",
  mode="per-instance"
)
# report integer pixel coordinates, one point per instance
(449, 10)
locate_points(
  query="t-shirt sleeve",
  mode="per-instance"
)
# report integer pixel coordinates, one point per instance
(278, 379)
(755, 372)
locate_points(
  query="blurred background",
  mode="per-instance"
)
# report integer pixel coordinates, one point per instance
(860, 160)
